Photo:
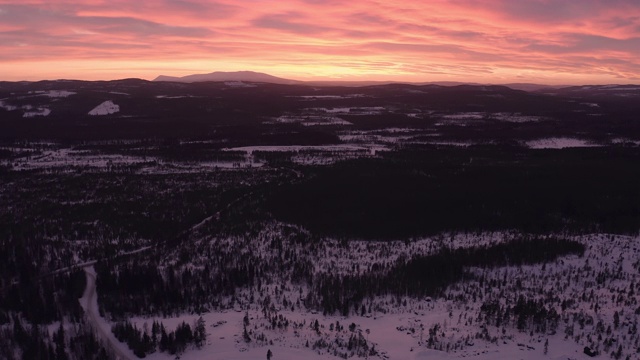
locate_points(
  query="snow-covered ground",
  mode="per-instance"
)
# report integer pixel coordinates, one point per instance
(328, 97)
(297, 148)
(174, 96)
(29, 110)
(60, 158)
(400, 328)
(52, 93)
(317, 155)
(370, 110)
(311, 120)
(106, 108)
(66, 157)
(7, 107)
(37, 112)
(58, 93)
(625, 141)
(239, 84)
(89, 302)
(559, 143)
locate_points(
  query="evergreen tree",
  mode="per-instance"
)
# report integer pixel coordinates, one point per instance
(58, 339)
(200, 332)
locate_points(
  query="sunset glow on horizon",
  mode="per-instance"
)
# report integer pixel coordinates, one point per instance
(489, 41)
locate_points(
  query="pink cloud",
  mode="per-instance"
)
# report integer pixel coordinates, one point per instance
(476, 40)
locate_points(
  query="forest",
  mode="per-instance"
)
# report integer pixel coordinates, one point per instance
(425, 191)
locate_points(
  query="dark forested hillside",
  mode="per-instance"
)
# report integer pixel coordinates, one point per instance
(421, 192)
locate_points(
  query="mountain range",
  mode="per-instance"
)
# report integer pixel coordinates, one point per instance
(252, 76)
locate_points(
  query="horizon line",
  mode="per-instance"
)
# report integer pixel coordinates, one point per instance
(330, 81)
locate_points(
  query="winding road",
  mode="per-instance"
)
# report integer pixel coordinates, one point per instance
(89, 303)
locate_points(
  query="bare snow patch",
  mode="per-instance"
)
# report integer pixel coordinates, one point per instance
(59, 93)
(623, 141)
(312, 120)
(500, 116)
(367, 110)
(559, 143)
(239, 84)
(514, 117)
(37, 112)
(465, 116)
(29, 110)
(106, 108)
(328, 97)
(7, 107)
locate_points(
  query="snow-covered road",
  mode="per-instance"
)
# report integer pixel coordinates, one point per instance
(89, 302)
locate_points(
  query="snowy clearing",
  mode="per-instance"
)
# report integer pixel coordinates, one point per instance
(106, 108)
(59, 93)
(3, 105)
(559, 143)
(311, 120)
(371, 110)
(239, 84)
(37, 112)
(415, 328)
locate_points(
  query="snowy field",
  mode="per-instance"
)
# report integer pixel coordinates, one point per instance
(54, 158)
(106, 108)
(597, 307)
(315, 155)
(559, 143)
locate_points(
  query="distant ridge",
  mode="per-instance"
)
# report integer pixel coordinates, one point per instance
(250, 76)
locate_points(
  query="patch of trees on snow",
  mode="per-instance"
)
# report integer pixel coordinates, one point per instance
(144, 341)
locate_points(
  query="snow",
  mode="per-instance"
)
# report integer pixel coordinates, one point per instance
(621, 88)
(68, 159)
(625, 141)
(465, 116)
(174, 97)
(450, 143)
(387, 332)
(65, 157)
(515, 117)
(312, 120)
(500, 116)
(89, 302)
(318, 155)
(395, 330)
(328, 97)
(559, 143)
(59, 93)
(37, 112)
(29, 110)
(7, 107)
(106, 108)
(368, 148)
(239, 84)
(369, 110)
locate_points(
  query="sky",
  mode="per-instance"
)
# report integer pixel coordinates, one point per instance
(562, 42)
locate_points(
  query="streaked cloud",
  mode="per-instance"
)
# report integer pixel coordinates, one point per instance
(551, 41)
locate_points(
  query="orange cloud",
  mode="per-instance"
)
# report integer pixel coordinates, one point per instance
(497, 41)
